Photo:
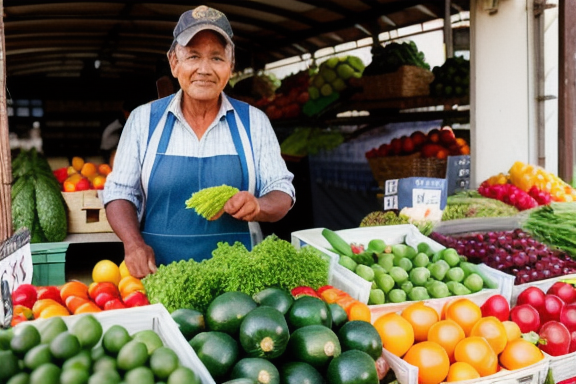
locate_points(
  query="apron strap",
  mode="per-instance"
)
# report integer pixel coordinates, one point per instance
(157, 108)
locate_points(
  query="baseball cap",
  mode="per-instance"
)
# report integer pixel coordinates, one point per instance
(201, 18)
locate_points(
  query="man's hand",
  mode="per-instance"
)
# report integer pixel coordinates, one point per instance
(242, 206)
(140, 260)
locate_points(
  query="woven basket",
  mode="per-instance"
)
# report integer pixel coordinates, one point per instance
(400, 167)
(407, 81)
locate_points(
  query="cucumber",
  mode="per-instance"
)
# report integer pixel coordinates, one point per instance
(218, 351)
(338, 243)
(352, 367)
(361, 336)
(256, 368)
(264, 333)
(226, 312)
(274, 297)
(308, 310)
(297, 372)
(315, 345)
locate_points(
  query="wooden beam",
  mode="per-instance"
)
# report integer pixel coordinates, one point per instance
(566, 88)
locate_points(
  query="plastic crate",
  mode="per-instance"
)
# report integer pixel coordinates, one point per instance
(48, 260)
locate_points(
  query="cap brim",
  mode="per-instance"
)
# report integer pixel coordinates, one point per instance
(187, 35)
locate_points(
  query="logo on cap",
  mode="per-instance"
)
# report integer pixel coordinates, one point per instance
(204, 12)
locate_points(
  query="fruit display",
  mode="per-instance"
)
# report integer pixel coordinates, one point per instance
(465, 341)
(513, 252)
(112, 288)
(273, 337)
(451, 79)
(470, 203)
(304, 141)
(55, 352)
(288, 100)
(82, 175)
(37, 203)
(437, 143)
(400, 273)
(390, 57)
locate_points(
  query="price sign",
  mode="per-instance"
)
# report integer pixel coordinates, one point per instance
(422, 191)
(458, 173)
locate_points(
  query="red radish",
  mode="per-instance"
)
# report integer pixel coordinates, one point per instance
(572, 342)
(552, 307)
(533, 296)
(568, 316)
(564, 291)
(527, 318)
(554, 338)
(496, 306)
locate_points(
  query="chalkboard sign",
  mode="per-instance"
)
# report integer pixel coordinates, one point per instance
(458, 173)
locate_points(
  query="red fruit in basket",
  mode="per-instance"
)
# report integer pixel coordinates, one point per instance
(572, 347)
(554, 338)
(50, 292)
(395, 146)
(303, 291)
(527, 318)
(431, 150)
(408, 146)
(323, 288)
(61, 174)
(25, 295)
(496, 306)
(418, 138)
(384, 150)
(564, 291)
(447, 136)
(533, 296)
(114, 304)
(136, 299)
(552, 307)
(568, 316)
(102, 298)
(434, 136)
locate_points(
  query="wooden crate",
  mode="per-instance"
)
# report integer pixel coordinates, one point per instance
(86, 213)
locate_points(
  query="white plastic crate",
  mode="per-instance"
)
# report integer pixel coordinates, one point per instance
(563, 367)
(542, 284)
(346, 280)
(155, 317)
(533, 374)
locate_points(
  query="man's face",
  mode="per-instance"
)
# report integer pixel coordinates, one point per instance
(203, 67)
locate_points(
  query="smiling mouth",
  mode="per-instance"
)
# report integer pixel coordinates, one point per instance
(202, 82)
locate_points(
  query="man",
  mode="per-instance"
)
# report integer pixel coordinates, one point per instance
(195, 139)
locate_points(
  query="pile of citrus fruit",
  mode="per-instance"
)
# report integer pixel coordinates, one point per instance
(54, 351)
(112, 288)
(82, 175)
(461, 343)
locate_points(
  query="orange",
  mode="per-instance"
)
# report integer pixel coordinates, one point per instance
(359, 311)
(465, 312)
(431, 360)
(477, 352)
(42, 304)
(493, 331)
(53, 310)
(104, 169)
(77, 163)
(513, 331)
(123, 269)
(462, 371)
(88, 169)
(331, 295)
(421, 317)
(73, 302)
(88, 307)
(99, 181)
(130, 284)
(396, 333)
(106, 271)
(73, 288)
(520, 353)
(447, 333)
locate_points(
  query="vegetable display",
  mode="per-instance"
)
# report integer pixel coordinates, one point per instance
(389, 58)
(471, 203)
(37, 203)
(208, 202)
(451, 79)
(305, 141)
(273, 262)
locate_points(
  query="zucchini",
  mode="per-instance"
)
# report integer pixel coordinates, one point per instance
(362, 336)
(352, 367)
(337, 243)
(315, 345)
(309, 310)
(256, 368)
(274, 297)
(264, 333)
(226, 311)
(218, 351)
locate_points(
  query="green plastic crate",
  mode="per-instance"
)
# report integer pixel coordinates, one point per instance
(49, 261)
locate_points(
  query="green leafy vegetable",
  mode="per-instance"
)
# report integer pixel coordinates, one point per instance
(554, 225)
(209, 201)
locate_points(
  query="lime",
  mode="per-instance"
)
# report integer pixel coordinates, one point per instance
(139, 375)
(37, 356)
(163, 362)
(190, 321)
(105, 376)
(47, 373)
(50, 328)
(97, 352)
(114, 339)
(64, 346)
(88, 330)
(133, 354)
(10, 365)
(183, 375)
(104, 363)
(149, 338)
(19, 378)
(5, 338)
(25, 338)
(74, 376)
(82, 360)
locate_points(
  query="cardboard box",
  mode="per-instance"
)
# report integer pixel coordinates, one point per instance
(86, 213)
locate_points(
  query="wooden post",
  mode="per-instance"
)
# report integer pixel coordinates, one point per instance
(566, 88)
(5, 157)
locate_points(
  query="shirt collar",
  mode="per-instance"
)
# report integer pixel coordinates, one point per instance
(174, 107)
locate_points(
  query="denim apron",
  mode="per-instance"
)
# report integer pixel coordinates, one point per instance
(174, 232)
